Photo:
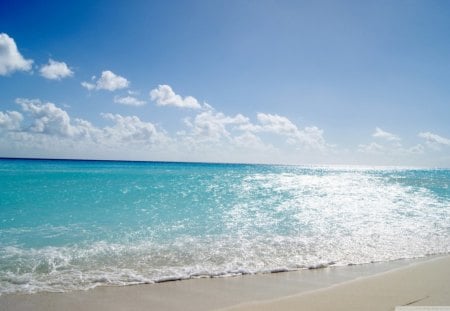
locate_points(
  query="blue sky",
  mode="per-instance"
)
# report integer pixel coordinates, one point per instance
(299, 82)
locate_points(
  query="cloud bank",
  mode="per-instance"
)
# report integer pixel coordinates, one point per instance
(45, 129)
(40, 127)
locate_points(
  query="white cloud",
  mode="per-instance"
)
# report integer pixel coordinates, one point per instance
(108, 81)
(55, 70)
(86, 131)
(132, 129)
(10, 58)
(10, 120)
(309, 137)
(47, 118)
(129, 101)
(277, 124)
(251, 141)
(214, 133)
(48, 128)
(211, 125)
(165, 96)
(434, 140)
(379, 133)
(214, 136)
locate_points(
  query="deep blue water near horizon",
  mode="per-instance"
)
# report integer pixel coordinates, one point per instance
(68, 225)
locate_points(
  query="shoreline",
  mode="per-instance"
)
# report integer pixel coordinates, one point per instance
(283, 291)
(419, 284)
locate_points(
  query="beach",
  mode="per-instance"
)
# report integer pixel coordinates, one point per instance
(421, 284)
(224, 155)
(83, 235)
(379, 286)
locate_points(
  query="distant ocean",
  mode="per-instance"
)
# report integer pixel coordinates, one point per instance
(67, 225)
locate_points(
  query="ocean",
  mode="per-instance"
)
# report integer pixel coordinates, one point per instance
(68, 225)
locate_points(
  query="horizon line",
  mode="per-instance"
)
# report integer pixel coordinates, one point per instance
(225, 163)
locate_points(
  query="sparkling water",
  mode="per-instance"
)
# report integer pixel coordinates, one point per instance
(68, 225)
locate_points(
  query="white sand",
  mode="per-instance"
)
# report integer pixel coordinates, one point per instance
(424, 284)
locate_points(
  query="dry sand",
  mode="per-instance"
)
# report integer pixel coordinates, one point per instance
(365, 287)
(424, 284)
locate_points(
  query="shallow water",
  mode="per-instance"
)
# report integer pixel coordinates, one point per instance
(78, 224)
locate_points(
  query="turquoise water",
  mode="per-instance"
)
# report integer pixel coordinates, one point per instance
(68, 225)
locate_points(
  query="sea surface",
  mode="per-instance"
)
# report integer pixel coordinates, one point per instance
(67, 225)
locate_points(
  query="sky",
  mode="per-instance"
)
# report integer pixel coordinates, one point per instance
(286, 82)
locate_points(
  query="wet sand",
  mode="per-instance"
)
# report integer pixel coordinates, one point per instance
(378, 286)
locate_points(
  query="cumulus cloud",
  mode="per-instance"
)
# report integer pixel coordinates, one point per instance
(111, 82)
(211, 125)
(240, 133)
(108, 81)
(248, 139)
(165, 96)
(434, 140)
(46, 117)
(129, 101)
(215, 136)
(10, 120)
(379, 133)
(10, 58)
(277, 124)
(133, 129)
(309, 137)
(55, 70)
